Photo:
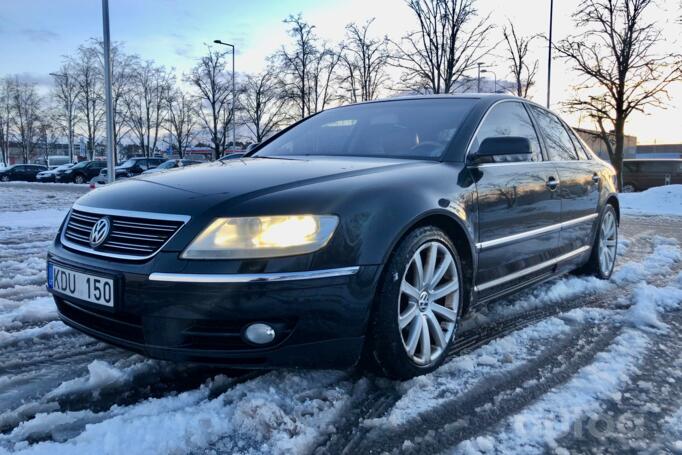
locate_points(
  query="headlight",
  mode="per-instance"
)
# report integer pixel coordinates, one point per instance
(262, 237)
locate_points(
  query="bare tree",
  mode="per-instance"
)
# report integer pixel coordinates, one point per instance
(214, 87)
(181, 120)
(146, 104)
(363, 61)
(263, 104)
(26, 104)
(297, 62)
(524, 72)
(90, 104)
(6, 117)
(450, 41)
(616, 53)
(66, 92)
(308, 68)
(123, 68)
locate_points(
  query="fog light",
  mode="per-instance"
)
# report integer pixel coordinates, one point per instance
(259, 333)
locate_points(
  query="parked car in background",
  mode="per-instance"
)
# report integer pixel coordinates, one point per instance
(130, 168)
(54, 161)
(51, 174)
(233, 156)
(172, 164)
(364, 231)
(643, 173)
(21, 172)
(81, 172)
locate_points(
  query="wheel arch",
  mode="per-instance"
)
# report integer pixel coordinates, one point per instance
(613, 200)
(455, 229)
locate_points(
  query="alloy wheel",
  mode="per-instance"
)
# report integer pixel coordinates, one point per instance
(429, 303)
(78, 179)
(628, 188)
(608, 239)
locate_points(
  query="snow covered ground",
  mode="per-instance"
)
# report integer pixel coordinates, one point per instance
(574, 365)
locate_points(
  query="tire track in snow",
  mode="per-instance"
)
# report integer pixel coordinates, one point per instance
(491, 399)
(640, 249)
(633, 421)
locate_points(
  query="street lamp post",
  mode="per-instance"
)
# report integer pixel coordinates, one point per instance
(478, 83)
(69, 114)
(234, 95)
(107, 93)
(495, 75)
(549, 51)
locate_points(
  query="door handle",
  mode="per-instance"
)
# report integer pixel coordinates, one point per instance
(552, 183)
(595, 178)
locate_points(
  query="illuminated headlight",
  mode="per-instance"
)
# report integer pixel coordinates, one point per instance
(262, 237)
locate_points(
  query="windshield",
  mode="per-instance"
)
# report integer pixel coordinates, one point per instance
(81, 165)
(167, 165)
(63, 167)
(128, 163)
(419, 129)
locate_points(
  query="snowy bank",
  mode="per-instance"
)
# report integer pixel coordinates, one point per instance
(662, 200)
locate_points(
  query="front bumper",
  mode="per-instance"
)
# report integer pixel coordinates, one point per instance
(320, 322)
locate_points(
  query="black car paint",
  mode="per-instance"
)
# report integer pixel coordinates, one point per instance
(86, 170)
(21, 172)
(378, 200)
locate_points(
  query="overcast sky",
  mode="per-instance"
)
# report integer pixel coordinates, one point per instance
(35, 34)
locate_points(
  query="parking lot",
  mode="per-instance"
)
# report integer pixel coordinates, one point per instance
(576, 364)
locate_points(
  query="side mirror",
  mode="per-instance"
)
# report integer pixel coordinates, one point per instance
(503, 149)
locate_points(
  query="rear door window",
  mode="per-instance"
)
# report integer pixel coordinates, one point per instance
(508, 119)
(558, 142)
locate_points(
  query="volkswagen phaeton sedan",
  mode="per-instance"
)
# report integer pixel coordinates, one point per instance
(361, 233)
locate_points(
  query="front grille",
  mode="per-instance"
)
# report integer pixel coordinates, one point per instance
(129, 237)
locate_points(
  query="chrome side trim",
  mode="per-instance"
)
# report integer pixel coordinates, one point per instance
(529, 270)
(252, 277)
(100, 211)
(534, 232)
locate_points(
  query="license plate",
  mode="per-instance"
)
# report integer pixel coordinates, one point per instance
(91, 288)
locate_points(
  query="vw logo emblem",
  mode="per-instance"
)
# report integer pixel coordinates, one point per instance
(99, 232)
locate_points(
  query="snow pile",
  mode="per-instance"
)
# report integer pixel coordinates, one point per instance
(540, 424)
(666, 254)
(14, 314)
(673, 427)
(50, 329)
(649, 302)
(662, 200)
(279, 412)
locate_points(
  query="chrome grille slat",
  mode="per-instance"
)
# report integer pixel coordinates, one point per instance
(132, 237)
(135, 236)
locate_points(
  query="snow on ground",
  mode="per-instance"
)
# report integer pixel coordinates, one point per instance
(62, 392)
(539, 425)
(662, 201)
(673, 426)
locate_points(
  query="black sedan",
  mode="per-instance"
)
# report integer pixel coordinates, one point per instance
(172, 164)
(50, 175)
(364, 231)
(81, 172)
(21, 172)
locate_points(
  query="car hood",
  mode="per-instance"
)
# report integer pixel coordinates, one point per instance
(238, 177)
(208, 184)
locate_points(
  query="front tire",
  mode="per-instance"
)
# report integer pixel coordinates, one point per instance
(629, 188)
(79, 179)
(418, 305)
(603, 256)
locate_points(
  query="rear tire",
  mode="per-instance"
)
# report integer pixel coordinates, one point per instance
(79, 179)
(4, 178)
(605, 248)
(629, 188)
(418, 306)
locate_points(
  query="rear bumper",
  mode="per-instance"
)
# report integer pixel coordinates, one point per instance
(319, 322)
